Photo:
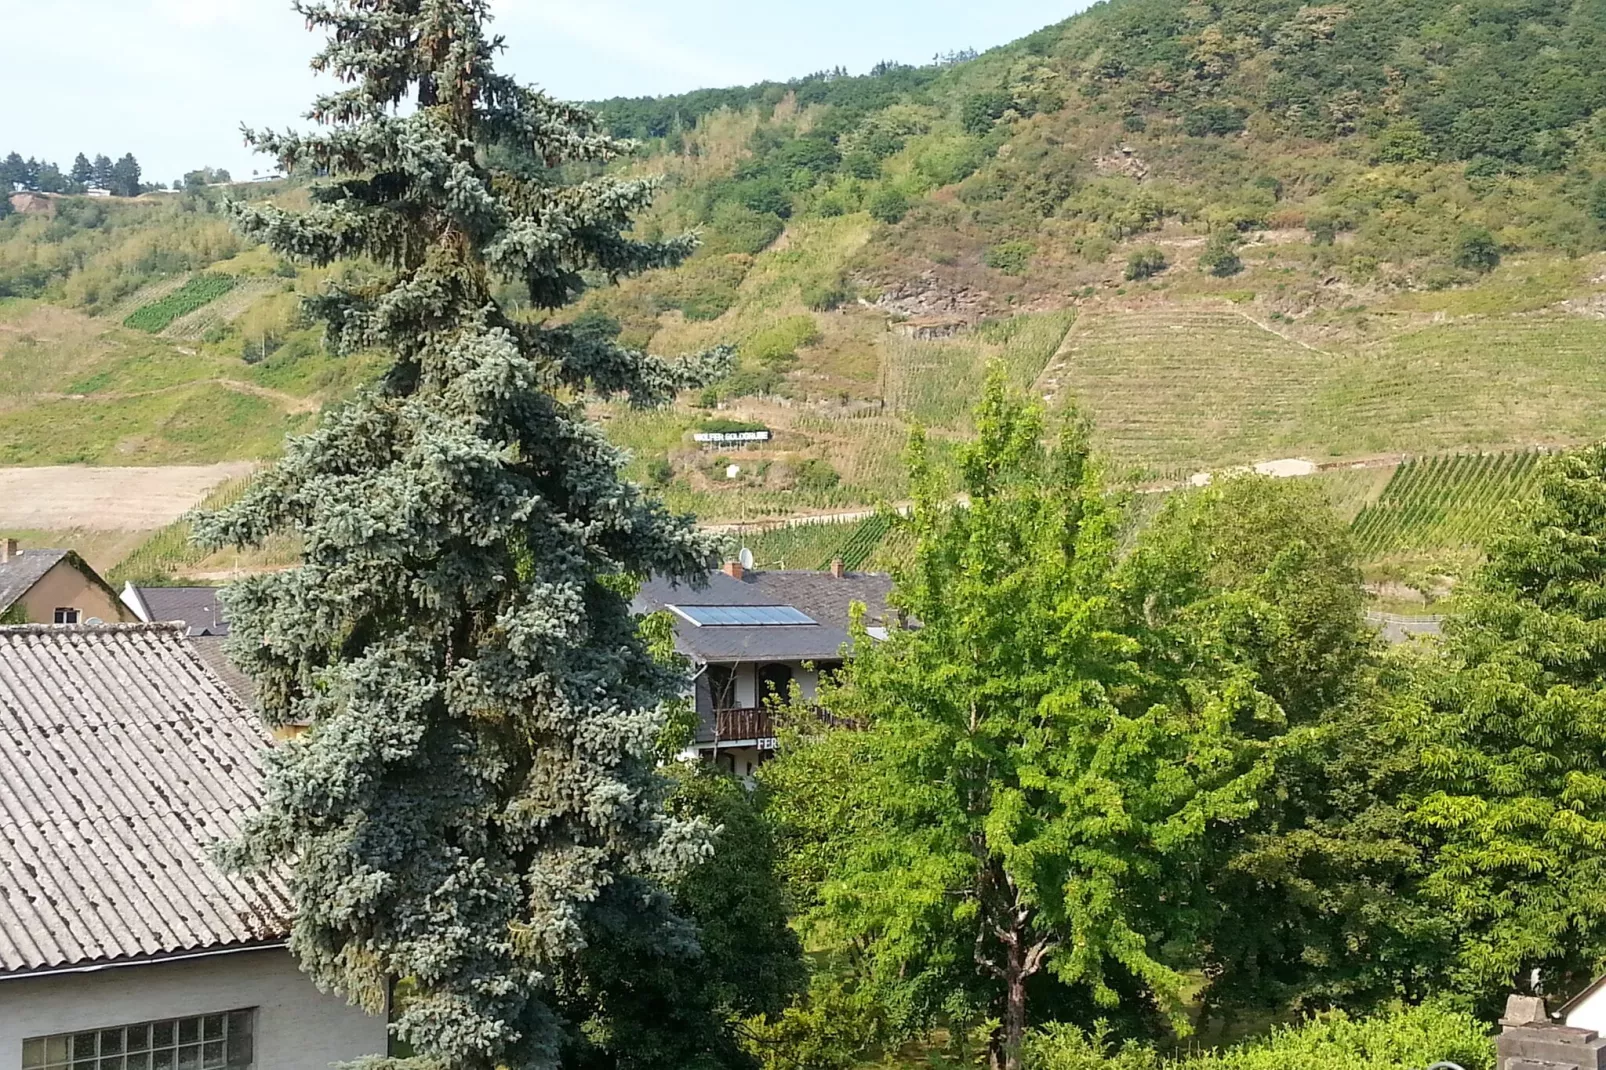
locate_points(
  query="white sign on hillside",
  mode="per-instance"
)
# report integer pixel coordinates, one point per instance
(722, 437)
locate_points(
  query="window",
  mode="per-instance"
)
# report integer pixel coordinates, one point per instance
(66, 615)
(722, 686)
(752, 616)
(205, 1042)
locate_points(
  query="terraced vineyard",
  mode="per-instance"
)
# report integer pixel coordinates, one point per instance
(1201, 387)
(225, 309)
(198, 291)
(148, 294)
(937, 382)
(815, 546)
(1451, 501)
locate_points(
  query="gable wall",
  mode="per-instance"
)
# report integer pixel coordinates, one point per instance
(65, 586)
(297, 1027)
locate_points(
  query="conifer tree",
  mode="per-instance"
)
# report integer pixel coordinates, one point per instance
(101, 176)
(473, 807)
(82, 170)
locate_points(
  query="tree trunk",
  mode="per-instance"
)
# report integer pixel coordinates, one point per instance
(1014, 1007)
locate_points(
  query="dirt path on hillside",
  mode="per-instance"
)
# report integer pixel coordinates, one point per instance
(290, 402)
(63, 497)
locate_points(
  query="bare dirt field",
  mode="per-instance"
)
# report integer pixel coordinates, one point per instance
(86, 498)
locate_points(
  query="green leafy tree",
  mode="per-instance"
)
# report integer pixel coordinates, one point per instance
(1032, 798)
(1509, 728)
(888, 205)
(1220, 256)
(1476, 249)
(474, 805)
(1145, 263)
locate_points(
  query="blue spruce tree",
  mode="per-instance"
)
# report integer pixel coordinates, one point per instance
(472, 809)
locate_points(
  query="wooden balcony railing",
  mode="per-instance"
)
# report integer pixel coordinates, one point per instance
(751, 722)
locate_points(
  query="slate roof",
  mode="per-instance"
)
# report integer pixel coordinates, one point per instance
(20, 572)
(122, 759)
(197, 607)
(824, 597)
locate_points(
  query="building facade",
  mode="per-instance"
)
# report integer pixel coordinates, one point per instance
(123, 946)
(757, 637)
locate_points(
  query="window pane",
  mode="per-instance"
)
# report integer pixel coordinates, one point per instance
(33, 1053)
(240, 1024)
(83, 1046)
(111, 1062)
(189, 1030)
(214, 1027)
(56, 1049)
(162, 1060)
(212, 1055)
(189, 1057)
(140, 1061)
(111, 1041)
(139, 1037)
(161, 1034)
(239, 1050)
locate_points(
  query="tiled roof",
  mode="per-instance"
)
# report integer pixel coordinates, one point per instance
(122, 760)
(24, 569)
(197, 607)
(824, 597)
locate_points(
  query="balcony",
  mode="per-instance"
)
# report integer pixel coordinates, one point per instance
(749, 722)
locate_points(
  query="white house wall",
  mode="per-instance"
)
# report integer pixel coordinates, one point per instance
(1590, 1013)
(297, 1026)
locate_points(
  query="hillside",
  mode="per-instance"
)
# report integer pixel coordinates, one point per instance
(1229, 233)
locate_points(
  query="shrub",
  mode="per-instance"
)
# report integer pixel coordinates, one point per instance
(1134, 124)
(1402, 141)
(764, 195)
(1323, 229)
(1010, 257)
(823, 297)
(1597, 199)
(736, 228)
(1403, 1040)
(777, 344)
(727, 425)
(815, 474)
(1219, 257)
(1214, 119)
(979, 111)
(660, 471)
(751, 382)
(888, 205)
(1145, 263)
(1476, 249)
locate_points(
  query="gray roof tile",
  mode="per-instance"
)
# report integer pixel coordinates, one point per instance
(197, 607)
(122, 760)
(19, 573)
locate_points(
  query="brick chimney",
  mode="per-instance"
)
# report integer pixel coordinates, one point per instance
(836, 567)
(733, 569)
(8, 550)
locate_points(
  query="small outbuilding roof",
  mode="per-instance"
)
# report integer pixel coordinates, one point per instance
(123, 759)
(196, 607)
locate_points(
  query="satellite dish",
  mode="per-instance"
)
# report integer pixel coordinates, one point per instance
(745, 557)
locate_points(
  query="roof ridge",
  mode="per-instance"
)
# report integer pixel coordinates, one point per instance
(175, 627)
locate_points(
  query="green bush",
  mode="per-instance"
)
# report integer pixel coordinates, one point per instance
(1134, 124)
(823, 297)
(979, 111)
(1219, 257)
(1145, 263)
(736, 228)
(1010, 257)
(1402, 141)
(777, 344)
(1476, 249)
(660, 471)
(888, 205)
(751, 382)
(1403, 1040)
(815, 474)
(1213, 119)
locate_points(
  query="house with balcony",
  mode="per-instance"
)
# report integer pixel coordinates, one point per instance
(750, 635)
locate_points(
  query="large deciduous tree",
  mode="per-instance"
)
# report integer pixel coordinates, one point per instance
(1032, 796)
(473, 805)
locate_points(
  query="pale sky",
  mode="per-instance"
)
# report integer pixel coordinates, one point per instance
(171, 80)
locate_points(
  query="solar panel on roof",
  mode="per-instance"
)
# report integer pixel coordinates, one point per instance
(736, 616)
